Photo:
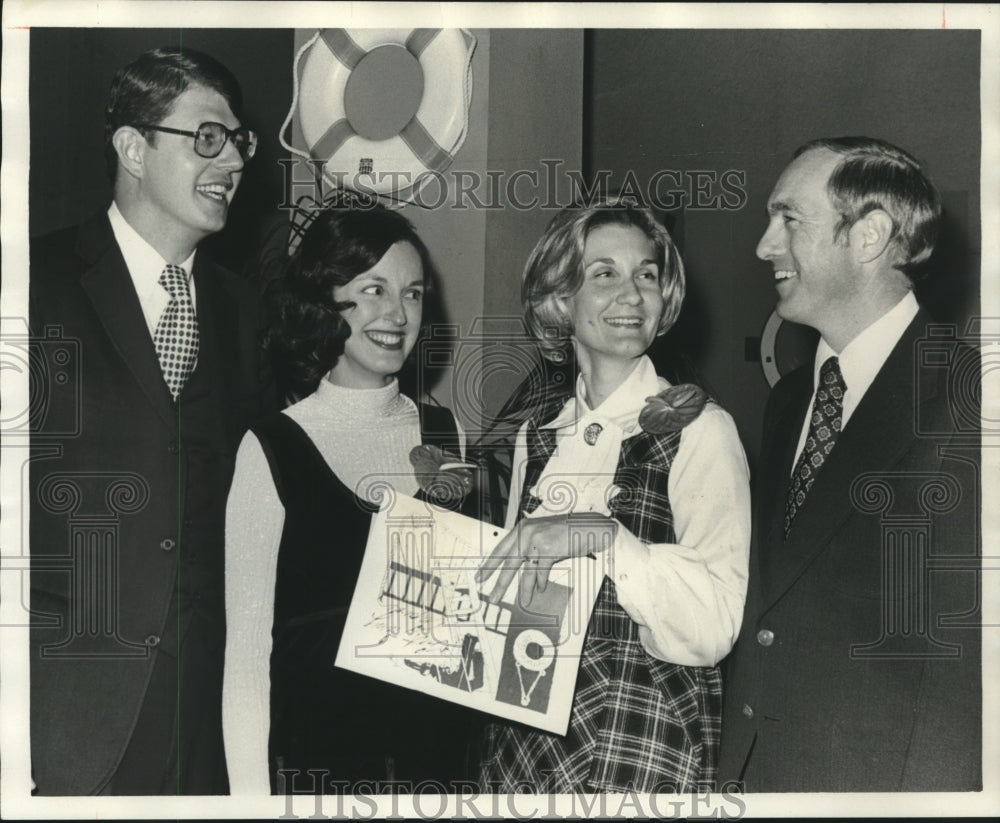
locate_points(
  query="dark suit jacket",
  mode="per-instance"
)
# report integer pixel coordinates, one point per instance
(858, 664)
(128, 497)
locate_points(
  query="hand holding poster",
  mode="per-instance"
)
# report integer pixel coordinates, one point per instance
(418, 618)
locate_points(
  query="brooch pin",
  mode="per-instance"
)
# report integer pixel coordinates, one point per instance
(672, 409)
(591, 433)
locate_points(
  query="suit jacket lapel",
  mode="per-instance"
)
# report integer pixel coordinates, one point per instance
(110, 289)
(781, 439)
(213, 323)
(879, 432)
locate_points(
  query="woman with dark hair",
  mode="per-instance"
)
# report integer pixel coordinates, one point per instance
(651, 480)
(347, 314)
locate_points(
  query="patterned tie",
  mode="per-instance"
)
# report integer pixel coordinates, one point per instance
(176, 335)
(823, 430)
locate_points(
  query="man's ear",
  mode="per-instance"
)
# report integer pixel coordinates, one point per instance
(871, 235)
(130, 146)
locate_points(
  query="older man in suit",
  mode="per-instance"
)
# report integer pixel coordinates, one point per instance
(127, 514)
(858, 664)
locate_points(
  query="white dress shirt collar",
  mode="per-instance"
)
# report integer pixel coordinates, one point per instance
(145, 265)
(862, 358)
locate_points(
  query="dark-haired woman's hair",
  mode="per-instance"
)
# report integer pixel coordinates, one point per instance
(306, 332)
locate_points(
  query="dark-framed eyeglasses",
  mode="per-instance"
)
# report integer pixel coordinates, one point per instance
(210, 138)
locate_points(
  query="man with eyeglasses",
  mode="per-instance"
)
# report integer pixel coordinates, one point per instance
(128, 632)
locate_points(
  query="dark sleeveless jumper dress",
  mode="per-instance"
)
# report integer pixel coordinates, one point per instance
(356, 730)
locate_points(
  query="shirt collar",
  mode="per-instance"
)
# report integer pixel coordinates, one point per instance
(143, 261)
(621, 407)
(862, 358)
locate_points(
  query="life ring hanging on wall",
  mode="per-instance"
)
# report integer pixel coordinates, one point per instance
(768, 346)
(796, 342)
(382, 109)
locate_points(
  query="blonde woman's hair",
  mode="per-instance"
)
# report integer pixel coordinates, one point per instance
(554, 271)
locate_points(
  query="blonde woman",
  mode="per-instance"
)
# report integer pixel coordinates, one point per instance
(659, 470)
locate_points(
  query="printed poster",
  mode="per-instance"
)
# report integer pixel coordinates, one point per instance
(420, 620)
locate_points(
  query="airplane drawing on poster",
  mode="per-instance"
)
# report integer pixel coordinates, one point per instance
(420, 620)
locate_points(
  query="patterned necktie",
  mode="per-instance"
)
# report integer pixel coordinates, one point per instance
(824, 426)
(176, 335)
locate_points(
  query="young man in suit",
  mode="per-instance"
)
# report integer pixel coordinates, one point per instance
(128, 505)
(858, 664)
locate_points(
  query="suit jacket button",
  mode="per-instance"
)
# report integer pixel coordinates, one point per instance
(172, 447)
(747, 711)
(765, 637)
(153, 641)
(167, 544)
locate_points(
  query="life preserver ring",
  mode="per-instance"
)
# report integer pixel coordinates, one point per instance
(768, 346)
(546, 650)
(785, 347)
(427, 138)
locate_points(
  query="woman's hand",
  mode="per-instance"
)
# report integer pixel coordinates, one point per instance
(538, 543)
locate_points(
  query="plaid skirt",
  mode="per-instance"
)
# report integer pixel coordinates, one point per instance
(637, 723)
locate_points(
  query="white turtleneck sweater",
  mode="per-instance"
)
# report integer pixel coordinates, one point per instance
(365, 435)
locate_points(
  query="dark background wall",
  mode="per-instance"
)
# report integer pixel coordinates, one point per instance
(70, 75)
(744, 100)
(649, 100)
(530, 121)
